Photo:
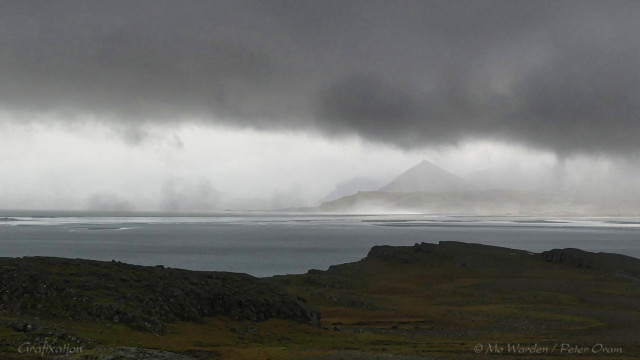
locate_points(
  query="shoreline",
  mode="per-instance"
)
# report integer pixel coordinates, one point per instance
(413, 296)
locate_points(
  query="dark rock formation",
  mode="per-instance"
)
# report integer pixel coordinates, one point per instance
(477, 256)
(402, 254)
(484, 257)
(140, 296)
(613, 263)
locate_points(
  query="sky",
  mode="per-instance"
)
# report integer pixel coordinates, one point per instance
(205, 105)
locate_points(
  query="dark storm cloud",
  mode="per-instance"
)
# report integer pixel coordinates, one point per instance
(560, 75)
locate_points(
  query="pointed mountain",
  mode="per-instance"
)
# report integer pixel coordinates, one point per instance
(427, 177)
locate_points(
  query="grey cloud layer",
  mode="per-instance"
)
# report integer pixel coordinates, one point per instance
(560, 75)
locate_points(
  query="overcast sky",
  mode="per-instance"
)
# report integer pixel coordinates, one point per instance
(196, 105)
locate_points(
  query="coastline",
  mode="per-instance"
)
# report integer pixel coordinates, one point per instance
(427, 301)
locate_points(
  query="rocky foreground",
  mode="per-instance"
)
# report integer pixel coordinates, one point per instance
(427, 301)
(142, 297)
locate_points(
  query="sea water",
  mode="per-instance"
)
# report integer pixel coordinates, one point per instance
(265, 244)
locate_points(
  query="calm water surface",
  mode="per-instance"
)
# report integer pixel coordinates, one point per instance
(268, 244)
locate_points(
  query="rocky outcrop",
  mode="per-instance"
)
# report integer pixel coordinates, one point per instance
(477, 256)
(482, 257)
(402, 254)
(612, 263)
(141, 296)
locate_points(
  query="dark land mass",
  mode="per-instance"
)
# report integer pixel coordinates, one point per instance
(428, 301)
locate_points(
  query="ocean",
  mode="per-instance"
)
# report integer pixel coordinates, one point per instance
(265, 244)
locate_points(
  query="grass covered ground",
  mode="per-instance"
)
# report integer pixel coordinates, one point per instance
(446, 301)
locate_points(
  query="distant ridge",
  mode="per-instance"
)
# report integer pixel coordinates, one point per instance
(351, 187)
(490, 202)
(427, 177)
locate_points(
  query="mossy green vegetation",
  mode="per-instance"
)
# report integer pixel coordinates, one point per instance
(426, 301)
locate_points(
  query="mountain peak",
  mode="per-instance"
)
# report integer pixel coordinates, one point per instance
(427, 177)
(428, 163)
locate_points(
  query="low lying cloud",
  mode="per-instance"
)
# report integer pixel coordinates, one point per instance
(195, 194)
(107, 201)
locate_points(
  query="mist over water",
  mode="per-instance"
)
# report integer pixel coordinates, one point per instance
(526, 108)
(264, 244)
